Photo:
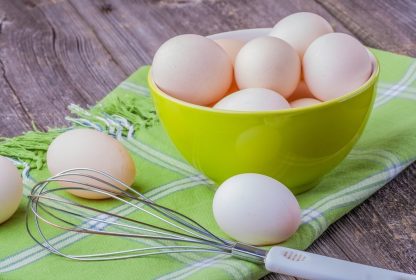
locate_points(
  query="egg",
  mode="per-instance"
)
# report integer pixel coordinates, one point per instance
(253, 99)
(231, 47)
(256, 209)
(89, 148)
(304, 102)
(11, 189)
(233, 88)
(301, 91)
(192, 68)
(268, 62)
(335, 64)
(301, 29)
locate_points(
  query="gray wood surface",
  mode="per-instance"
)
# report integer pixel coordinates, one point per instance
(53, 53)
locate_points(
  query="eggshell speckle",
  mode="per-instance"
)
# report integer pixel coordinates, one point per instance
(301, 29)
(253, 99)
(256, 209)
(192, 68)
(335, 64)
(11, 189)
(268, 62)
(304, 102)
(88, 148)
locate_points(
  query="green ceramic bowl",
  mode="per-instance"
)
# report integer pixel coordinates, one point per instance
(295, 146)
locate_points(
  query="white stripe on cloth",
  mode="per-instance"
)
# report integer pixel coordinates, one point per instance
(399, 87)
(351, 195)
(389, 160)
(386, 86)
(314, 215)
(406, 93)
(136, 88)
(139, 148)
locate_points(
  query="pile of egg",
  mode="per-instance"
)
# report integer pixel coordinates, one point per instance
(301, 63)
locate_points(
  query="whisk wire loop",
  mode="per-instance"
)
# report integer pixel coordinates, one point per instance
(51, 209)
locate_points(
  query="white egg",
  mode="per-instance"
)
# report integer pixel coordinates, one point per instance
(304, 102)
(89, 148)
(268, 62)
(231, 47)
(253, 99)
(301, 91)
(335, 64)
(192, 68)
(256, 209)
(301, 29)
(11, 189)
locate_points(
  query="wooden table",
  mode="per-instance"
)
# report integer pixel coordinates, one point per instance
(53, 53)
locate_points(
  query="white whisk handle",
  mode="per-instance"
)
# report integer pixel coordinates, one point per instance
(315, 267)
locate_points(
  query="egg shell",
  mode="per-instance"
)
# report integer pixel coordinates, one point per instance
(301, 91)
(304, 102)
(11, 189)
(256, 209)
(231, 47)
(253, 99)
(301, 29)
(192, 68)
(89, 148)
(268, 62)
(233, 88)
(335, 64)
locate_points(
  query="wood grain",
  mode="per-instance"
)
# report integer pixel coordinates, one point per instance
(388, 25)
(53, 53)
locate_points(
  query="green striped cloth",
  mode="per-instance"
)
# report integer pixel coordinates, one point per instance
(386, 148)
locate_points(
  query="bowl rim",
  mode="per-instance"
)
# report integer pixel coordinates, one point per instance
(370, 81)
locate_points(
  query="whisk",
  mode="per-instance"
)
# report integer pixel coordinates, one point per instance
(143, 220)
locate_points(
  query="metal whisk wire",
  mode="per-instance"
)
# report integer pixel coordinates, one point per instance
(53, 210)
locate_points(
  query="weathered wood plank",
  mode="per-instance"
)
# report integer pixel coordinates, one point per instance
(388, 25)
(14, 117)
(132, 32)
(50, 59)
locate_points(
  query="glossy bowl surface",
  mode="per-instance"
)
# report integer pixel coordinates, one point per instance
(295, 146)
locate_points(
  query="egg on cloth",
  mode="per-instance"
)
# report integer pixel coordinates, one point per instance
(89, 148)
(11, 189)
(256, 209)
(192, 68)
(335, 64)
(253, 99)
(268, 62)
(301, 29)
(304, 102)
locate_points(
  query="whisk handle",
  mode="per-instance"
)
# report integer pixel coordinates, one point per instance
(315, 267)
